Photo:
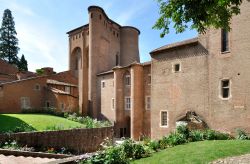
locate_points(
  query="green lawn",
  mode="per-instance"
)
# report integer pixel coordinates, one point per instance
(198, 152)
(38, 122)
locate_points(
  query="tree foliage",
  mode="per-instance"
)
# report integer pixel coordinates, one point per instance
(201, 13)
(8, 40)
(22, 64)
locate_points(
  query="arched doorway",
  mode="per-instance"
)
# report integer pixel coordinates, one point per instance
(76, 61)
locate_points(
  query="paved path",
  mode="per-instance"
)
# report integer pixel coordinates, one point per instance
(243, 159)
(23, 160)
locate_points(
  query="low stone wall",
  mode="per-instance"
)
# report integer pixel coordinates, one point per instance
(76, 140)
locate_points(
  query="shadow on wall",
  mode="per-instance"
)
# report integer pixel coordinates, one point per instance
(12, 124)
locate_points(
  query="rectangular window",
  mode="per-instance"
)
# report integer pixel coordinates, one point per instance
(67, 89)
(47, 104)
(25, 102)
(62, 106)
(149, 79)
(224, 41)
(103, 84)
(164, 118)
(127, 80)
(176, 67)
(127, 103)
(37, 87)
(225, 88)
(112, 103)
(148, 102)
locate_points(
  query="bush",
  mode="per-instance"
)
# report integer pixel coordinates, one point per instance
(139, 151)
(163, 143)
(176, 139)
(196, 135)
(182, 129)
(154, 145)
(87, 121)
(241, 135)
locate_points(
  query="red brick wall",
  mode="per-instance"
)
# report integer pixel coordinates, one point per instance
(76, 140)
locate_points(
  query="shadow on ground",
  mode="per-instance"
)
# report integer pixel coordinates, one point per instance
(13, 124)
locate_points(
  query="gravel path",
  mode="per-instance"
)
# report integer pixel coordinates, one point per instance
(23, 160)
(243, 159)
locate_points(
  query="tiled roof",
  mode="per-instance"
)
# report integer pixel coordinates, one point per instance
(174, 45)
(50, 81)
(54, 90)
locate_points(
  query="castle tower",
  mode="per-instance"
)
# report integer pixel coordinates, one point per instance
(98, 47)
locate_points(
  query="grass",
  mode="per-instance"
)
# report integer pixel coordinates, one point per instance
(198, 152)
(37, 122)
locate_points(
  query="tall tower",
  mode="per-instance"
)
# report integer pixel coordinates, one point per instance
(103, 45)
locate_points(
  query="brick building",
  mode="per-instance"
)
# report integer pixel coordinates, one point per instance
(204, 81)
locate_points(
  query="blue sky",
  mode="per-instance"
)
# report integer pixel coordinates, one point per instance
(41, 26)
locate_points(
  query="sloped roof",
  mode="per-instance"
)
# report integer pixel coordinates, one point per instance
(175, 45)
(50, 81)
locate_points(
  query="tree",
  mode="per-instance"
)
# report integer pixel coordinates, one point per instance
(8, 40)
(23, 65)
(201, 13)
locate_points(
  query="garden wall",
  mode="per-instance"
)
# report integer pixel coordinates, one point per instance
(75, 140)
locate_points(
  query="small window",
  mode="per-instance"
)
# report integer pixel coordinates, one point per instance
(177, 67)
(67, 89)
(47, 104)
(224, 41)
(225, 88)
(62, 106)
(127, 103)
(100, 16)
(164, 118)
(91, 15)
(103, 84)
(149, 79)
(112, 103)
(148, 102)
(37, 87)
(25, 102)
(127, 80)
(117, 59)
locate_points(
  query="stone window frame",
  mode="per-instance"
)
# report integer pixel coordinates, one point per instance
(128, 82)
(103, 84)
(37, 87)
(127, 105)
(222, 49)
(221, 89)
(148, 103)
(174, 66)
(27, 104)
(113, 103)
(161, 121)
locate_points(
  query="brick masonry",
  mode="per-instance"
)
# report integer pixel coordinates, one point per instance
(76, 140)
